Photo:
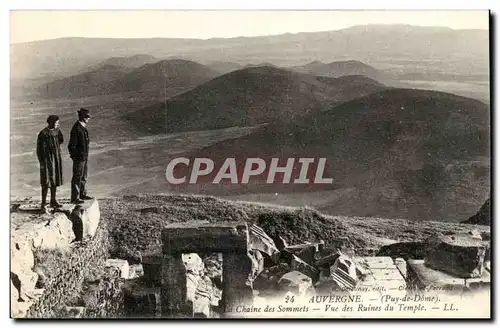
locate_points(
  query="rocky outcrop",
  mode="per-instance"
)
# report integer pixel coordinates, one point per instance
(38, 239)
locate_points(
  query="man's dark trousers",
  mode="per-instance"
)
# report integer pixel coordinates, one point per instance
(79, 179)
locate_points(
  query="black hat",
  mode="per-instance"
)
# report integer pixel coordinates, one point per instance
(52, 119)
(84, 112)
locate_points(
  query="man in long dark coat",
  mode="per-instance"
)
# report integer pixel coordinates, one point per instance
(48, 152)
(79, 152)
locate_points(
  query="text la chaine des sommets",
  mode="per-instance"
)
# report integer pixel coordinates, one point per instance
(301, 170)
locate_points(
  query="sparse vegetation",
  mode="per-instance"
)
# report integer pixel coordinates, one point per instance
(133, 223)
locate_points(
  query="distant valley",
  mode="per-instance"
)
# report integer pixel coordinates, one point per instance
(405, 126)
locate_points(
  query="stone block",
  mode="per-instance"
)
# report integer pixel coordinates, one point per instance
(280, 243)
(44, 232)
(401, 265)
(343, 271)
(86, 215)
(326, 285)
(223, 237)
(483, 282)
(268, 279)
(294, 249)
(421, 277)
(141, 301)
(295, 282)
(378, 262)
(387, 274)
(461, 255)
(301, 266)
(307, 255)
(380, 274)
(135, 271)
(121, 265)
(174, 286)
(237, 267)
(307, 252)
(259, 240)
(404, 250)
(257, 263)
(328, 260)
(151, 265)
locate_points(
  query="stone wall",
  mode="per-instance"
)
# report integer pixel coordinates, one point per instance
(50, 259)
(84, 261)
(104, 298)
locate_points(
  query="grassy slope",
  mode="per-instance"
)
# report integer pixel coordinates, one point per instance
(403, 153)
(135, 222)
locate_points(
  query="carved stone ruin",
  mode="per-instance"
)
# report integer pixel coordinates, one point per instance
(230, 239)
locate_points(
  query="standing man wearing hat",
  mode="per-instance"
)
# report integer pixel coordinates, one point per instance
(48, 151)
(79, 152)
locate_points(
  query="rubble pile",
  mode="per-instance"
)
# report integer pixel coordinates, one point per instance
(203, 268)
(313, 268)
(309, 268)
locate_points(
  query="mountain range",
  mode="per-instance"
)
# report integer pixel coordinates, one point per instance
(162, 79)
(407, 153)
(341, 68)
(251, 96)
(463, 51)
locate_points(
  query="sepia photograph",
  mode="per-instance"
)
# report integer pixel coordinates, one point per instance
(244, 164)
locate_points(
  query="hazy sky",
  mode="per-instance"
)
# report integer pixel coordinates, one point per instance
(40, 25)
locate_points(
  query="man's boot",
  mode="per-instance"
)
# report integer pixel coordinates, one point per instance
(53, 201)
(45, 190)
(83, 191)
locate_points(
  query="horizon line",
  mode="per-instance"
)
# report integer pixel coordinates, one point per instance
(251, 36)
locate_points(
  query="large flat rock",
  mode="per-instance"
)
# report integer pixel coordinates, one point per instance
(27, 217)
(193, 237)
(422, 277)
(461, 255)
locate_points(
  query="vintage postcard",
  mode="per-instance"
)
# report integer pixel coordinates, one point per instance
(250, 164)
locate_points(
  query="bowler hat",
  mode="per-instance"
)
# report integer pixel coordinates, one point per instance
(84, 112)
